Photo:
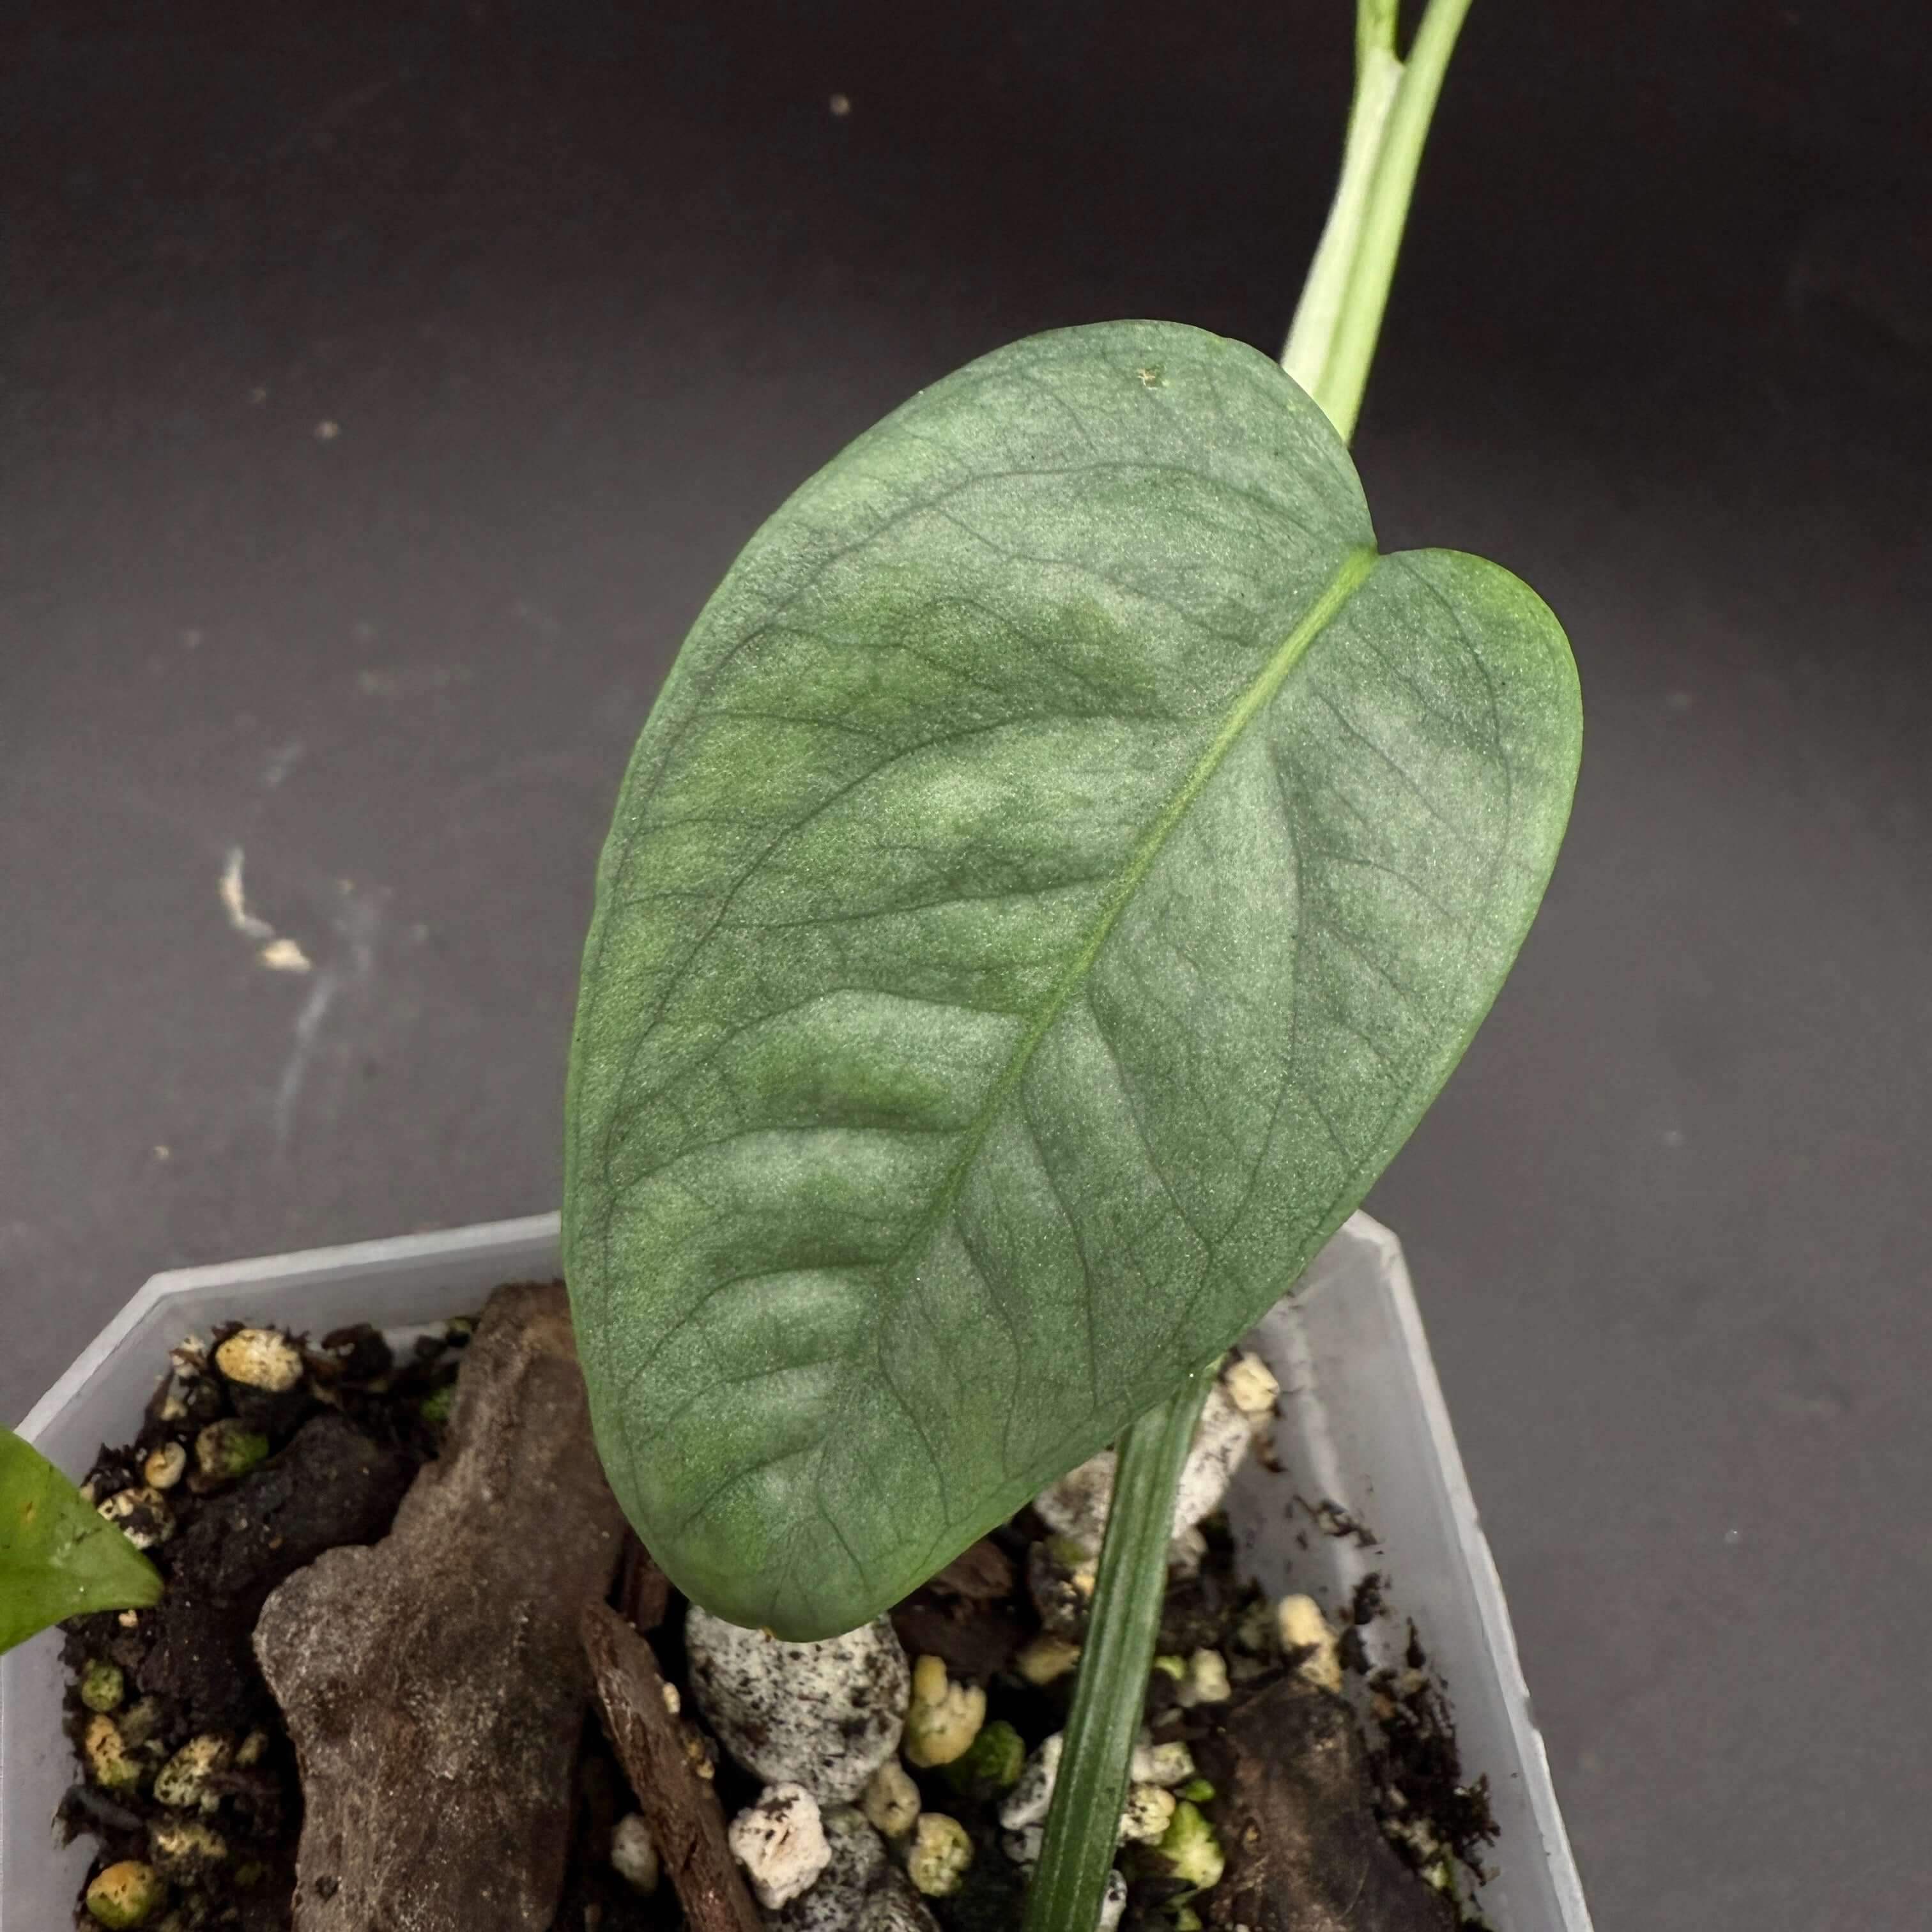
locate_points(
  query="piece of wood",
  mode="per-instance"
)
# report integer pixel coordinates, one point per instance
(1305, 1853)
(982, 1573)
(656, 1748)
(966, 1615)
(435, 1684)
(644, 1590)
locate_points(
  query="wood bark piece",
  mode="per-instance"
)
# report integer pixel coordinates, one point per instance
(1305, 1853)
(679, 1805)
(435, 1684)
(967, 1614)
(981, 1573)
(644, 1590)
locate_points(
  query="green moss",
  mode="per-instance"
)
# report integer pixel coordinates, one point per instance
(992, 1762)
(1190, 1850)
(103, 1686)
(227, 1450)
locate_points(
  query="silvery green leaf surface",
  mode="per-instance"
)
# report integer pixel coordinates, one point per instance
(1064, 864)
(57, 1558)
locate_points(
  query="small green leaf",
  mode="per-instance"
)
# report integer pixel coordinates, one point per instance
(1065, 862)
(58, 1558)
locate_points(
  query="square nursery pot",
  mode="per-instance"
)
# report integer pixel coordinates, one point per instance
(1363, 1437)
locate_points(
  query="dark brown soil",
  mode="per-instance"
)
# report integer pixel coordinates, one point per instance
(344, 1448)
(1401, 1771)
(1385, 1796)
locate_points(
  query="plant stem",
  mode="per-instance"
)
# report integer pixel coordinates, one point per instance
(1083, 1826)
(1329, 350)
(1336, 323)
(1376, 22)
(1378, 77)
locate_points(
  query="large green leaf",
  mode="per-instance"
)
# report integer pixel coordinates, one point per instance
(58, 1558)
(1063, 866)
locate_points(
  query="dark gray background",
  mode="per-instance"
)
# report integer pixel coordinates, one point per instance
(585, 293)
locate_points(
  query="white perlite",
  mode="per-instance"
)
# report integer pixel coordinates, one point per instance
(1206, 1682)
(944, 1717)
(111, 1761)
(260, 1358)
(1046, 1659)
(860, 1889)
(1023, 1814)
(823, 1715)
(186, 1781)
(634, 1857)
(1252, 1386)
(891, 1802)
(1076, 1506)
(780, 1841)
(894, 1908)
(1165, 1765)
(1027, 1801)
(1221, 1439)
(1149, 1812)
(1304, 1628)
(939, 1855)
(185, 1848)
(1023, 1846)
(1114, 1904)
(141, 1514)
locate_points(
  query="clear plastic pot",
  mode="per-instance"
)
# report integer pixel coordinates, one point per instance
(1362, 1427)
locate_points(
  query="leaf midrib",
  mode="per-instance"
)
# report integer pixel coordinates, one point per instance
(1355, 571)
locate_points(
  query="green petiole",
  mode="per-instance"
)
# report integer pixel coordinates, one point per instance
(1082, 1827)
(1330, 348)
(1339, 316)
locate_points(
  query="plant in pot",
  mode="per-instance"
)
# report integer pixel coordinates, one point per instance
(1064, 863)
